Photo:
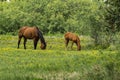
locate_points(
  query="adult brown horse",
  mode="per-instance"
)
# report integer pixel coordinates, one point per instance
(31, 33)
(74, 38)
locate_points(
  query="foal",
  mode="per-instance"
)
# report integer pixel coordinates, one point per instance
(74, 38)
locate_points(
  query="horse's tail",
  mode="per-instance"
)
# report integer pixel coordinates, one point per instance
(41, 36)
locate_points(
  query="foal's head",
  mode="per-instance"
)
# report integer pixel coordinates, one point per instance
(78, 45)
(79, 48)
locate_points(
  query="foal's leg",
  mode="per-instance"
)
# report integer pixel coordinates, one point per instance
(72, 44)
(25, 40)
(35, 43)
(19, 40)
(66, 43)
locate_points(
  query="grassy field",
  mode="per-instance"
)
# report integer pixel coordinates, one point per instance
(56, 63)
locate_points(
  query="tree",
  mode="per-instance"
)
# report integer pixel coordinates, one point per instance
(108, 24)
(112, 16)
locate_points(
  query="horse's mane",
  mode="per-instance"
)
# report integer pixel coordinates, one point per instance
(40, 35)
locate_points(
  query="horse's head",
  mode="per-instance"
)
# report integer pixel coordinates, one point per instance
(43, 46)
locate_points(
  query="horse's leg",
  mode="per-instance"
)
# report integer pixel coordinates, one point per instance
(25, 40)
(35, 43)
(19, 40)
(66, 43)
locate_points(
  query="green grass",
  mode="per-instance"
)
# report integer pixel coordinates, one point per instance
(56, 63)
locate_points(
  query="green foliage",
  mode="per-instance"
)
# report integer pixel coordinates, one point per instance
(106, 24)
(112, 16)
(51, 16)
(85, 17)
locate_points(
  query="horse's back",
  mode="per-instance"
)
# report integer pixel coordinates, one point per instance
(28, 32)
(21, 30)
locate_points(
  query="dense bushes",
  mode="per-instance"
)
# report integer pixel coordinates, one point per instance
(50, 15)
